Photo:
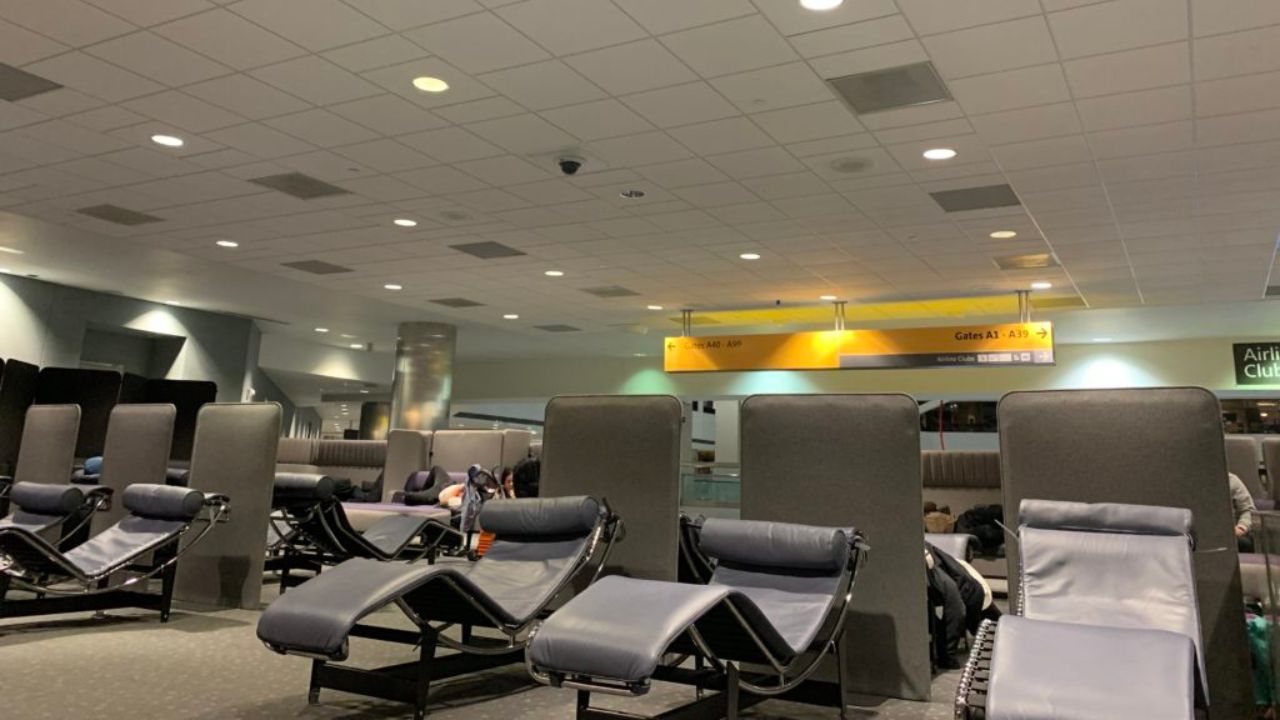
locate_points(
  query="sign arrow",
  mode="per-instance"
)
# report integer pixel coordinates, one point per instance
(1042, 333)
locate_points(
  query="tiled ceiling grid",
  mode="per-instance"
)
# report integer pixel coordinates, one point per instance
(1143, 137)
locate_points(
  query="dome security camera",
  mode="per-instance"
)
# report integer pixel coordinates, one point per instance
(569, 164)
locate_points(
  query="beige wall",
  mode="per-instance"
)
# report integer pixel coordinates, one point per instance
(1205, 362)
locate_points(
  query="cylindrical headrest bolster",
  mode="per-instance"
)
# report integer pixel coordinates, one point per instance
(44, 499)
(163, 502)
(774, 544)
(302, 487)
(1104, 517)
(576, 515)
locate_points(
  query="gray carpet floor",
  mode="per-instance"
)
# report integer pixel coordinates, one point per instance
(209, 664)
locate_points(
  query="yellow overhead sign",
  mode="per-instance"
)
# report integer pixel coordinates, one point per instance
(958, 346)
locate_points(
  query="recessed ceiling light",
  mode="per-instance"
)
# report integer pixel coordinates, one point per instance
(172, 302)
(355, 346)
(511, 316)
(554, 273)
(637, 354)
(405, 222)
(1102, 339)
(939, 154)
(168, 140)
(6, 271)
(364, 392)
(227, 244)
(655, 307)
(1004, 234)
(430, 84)
(631, 194)
(346, 336)
(322, 330)
(750, 256)
(1041, 285)
(827, 297)
(12, 251)
(821, 5)
(393, 286)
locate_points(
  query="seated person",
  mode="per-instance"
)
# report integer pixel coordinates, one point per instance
(1242, 506)
(938, 519)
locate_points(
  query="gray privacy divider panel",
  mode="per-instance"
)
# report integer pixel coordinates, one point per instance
(1242, 459)
(234, 454)
(136, 451)
(1155, 446)
(625, 449)
(841, 460)
(48, 447)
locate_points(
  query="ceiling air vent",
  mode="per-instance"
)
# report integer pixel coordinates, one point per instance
(610, 291)
(488, 250)
(118, 215)
(18, 84)
(891, 88)
(976, 198)
(299, 185)
(457, 302)
(1033, 261)
(558, 328)
(1057, 303)
(317, 267)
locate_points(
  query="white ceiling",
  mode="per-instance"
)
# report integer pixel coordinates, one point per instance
(1143, 137)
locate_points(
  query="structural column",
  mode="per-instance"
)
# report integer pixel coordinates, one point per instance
(423, 381)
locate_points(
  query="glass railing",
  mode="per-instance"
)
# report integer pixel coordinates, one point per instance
(711, 489)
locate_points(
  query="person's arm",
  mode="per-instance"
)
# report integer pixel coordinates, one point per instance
(1242, 503)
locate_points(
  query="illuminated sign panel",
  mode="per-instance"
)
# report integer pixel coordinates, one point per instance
(958, 346)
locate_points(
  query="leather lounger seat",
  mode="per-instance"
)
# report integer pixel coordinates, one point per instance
(777, 597)
(159, 517)
(315, 531)
(542, 545)
(1109, 625)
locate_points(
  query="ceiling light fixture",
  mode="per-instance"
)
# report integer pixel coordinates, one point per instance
(1004, 234)
(511, 316)
(430, 84)
(554, 273)
(821, 5)
(227, 244)
(168, 140)
(939, 154)
(322, 330)
(631, 194)
(355, 346)
(1041, 285)
(12, 251)
(364, 392)
(1102, 340)
(172, 302)
(405, 222)
(750, 256)
(828, 298)
(6, 271)
(393, 286)
(655, 307)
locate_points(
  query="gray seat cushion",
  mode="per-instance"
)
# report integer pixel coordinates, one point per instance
(1043, 669)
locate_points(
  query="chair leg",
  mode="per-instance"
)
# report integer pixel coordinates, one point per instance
(313, 690)
(427, 655)
(841, 671)
(584, 703)
(167, 580)
(697, 665)
(731, 692)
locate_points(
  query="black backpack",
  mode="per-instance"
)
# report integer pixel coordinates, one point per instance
(983, 522)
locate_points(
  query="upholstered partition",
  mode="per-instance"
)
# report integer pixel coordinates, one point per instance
(1242, 459)
(234, 454)
(842, 460)
(457, 450)
(17, 392)
(48, 448)
(360, 461)
(137, 451)
(625, 449)
(407, 451)
(1271, 461)
(1155, 446)
(515, 446)
(961, 479)
(296, 455)
(95, 391)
